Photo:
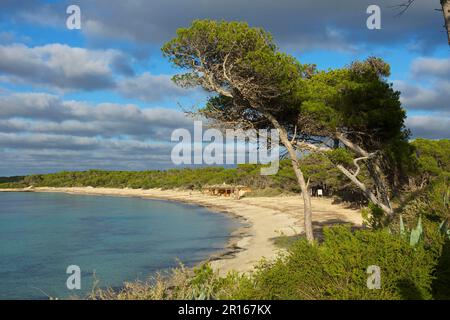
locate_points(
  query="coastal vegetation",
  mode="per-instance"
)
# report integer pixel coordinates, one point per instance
(414, 264)
(184, 178)
(343, 129)
(335, 266)
(352, 114)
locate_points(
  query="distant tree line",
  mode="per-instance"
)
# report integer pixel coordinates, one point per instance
(430, 162)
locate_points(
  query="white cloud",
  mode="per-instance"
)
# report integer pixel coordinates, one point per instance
(427, 87)
(433, 97)
(40, 128)
(46, 113)
(431, 67)
(148, 87)
(59, 66)
(431, 127)
(42, 153)
(62, 68)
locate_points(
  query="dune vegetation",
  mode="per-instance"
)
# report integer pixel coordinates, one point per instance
(412, 251)
(414, 256)
(341, 129)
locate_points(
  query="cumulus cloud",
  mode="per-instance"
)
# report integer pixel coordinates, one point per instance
(431, 67)
(427, 91)
(25, 154)
(429, 97)
(427, 86)
(66, 142)
(76, 135)
(61, 66)
(148, 87)
(46, 113)
(64, 68)
(431, 127)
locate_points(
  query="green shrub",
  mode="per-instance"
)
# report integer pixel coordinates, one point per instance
(441, 283)
(336, 269)
(373, 216)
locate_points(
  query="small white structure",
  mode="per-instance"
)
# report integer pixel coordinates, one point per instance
(319, 192)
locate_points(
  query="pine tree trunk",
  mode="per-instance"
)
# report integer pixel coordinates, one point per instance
(446, 10)
(369, 194)
(377, 176)
(300, 179)
(305, 194)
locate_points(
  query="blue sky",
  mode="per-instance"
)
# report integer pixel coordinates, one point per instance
(101, 97)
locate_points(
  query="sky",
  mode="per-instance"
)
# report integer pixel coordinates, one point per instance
(101, 97)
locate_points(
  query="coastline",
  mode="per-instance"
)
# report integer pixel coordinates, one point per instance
(264, 218)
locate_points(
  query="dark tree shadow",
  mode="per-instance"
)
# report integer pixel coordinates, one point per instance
(11, 179)
(355, 205)
(409, 291)
(319, 225)
(441, 284)
(288, 241)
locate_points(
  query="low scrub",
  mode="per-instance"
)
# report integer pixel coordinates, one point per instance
(336, 269)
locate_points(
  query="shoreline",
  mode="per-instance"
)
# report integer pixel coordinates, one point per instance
(263, 219)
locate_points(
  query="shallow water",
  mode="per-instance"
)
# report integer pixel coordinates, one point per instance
(111, 239)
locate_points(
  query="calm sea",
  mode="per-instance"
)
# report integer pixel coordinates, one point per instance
(111, 239)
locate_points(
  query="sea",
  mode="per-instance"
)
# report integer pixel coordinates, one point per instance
(55, 245)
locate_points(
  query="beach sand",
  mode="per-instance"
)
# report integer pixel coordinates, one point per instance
(264, 218)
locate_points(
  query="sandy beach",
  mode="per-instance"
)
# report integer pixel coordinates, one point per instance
(264, 218)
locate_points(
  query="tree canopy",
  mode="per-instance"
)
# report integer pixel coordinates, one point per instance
(256, 85)
(241, 64)
(353, 108)
(358, 106)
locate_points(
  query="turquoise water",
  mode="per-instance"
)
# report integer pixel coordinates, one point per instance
(111, 239)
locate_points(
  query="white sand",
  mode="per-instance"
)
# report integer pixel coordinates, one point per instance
(265, 218)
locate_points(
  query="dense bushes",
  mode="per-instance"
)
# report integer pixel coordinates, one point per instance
(433, 155)
(336, 269)
(433, 205)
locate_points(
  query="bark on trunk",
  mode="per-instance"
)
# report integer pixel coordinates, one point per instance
(377, 175)
(446, 11)
(300, 178)
(369, 194)
(375, 172)
(305, 194)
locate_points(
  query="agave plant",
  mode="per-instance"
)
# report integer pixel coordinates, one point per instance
(444, 228)
(414, 235)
